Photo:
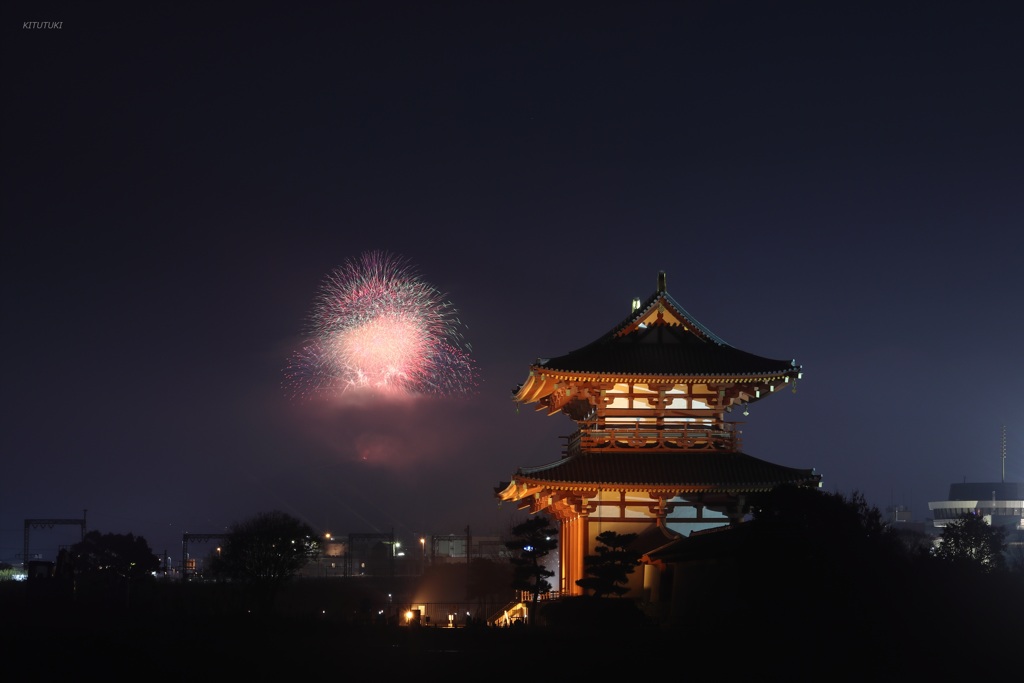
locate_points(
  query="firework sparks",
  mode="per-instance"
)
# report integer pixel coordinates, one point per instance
(377, 325)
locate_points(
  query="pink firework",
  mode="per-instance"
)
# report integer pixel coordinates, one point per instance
(377, 325)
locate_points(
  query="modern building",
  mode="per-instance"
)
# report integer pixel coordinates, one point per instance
(655, 451)
(1001, 503)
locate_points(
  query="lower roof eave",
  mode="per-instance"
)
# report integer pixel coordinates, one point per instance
(592, 488)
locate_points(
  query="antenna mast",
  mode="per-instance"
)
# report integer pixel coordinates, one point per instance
(1004, 454)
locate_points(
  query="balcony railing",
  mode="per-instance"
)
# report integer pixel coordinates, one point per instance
(721, 436)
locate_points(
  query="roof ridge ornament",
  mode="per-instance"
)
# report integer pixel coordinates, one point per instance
(661, 281)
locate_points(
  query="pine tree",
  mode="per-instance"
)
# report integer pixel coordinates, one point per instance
(608, 571)
(533, 540)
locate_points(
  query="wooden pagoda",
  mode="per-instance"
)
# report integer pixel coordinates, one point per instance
(653, 453)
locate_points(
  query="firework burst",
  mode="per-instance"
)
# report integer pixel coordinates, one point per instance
(377, 325)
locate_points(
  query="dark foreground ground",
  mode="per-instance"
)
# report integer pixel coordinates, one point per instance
(193, 637)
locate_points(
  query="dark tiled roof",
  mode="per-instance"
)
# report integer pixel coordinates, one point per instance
(690, 471)
(654, 538)
(661, 349)
(665, 350)
(714, 543)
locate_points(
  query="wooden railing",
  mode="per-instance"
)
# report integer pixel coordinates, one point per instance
(722, 436)
(518, 610)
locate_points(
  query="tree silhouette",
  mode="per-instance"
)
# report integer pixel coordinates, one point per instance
(533, 540)
(108, 563)
(608, 571)
(264, 552)
(970, 540)
(832, 550)
(120, 555)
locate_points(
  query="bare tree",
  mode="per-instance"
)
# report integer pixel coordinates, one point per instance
(265, 551)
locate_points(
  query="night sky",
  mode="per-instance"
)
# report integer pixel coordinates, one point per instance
(835, 182)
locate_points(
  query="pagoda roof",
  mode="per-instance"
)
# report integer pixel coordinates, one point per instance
(662, 471)
(660, 339)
